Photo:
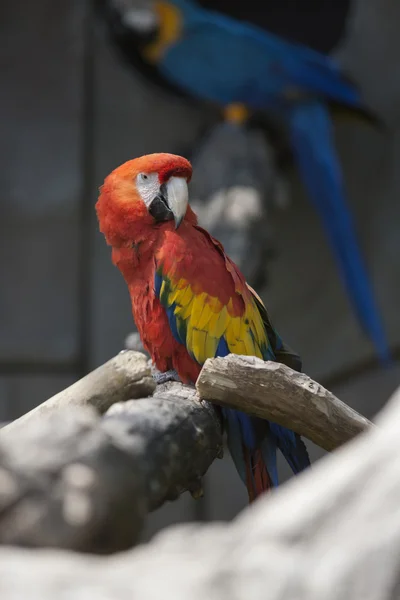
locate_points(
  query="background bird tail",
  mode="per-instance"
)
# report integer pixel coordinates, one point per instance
(313, 147)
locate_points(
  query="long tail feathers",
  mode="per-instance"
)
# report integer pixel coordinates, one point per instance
(253, 444)
(312, 142)
(292, 447)
(257, 476)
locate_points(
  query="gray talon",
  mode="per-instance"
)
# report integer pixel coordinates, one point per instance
(171, 375)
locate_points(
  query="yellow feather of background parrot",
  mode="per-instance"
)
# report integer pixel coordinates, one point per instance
(169, 31)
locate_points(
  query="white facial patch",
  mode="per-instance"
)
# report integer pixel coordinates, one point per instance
(148, 186)
(139, 15)
(142, 21)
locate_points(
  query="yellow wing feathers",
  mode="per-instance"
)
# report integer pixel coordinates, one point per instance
(208, 327)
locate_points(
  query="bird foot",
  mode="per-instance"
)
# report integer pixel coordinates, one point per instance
(171, 375)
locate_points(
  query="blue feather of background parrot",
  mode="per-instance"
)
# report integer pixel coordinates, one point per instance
(216, 58)
(311, 136)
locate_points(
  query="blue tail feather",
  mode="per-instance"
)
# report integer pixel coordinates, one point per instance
(292, 447)
(235, 444)
(312, 141)
(268, 451)
(254, 433)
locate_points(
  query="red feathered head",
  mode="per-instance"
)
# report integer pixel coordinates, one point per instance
(143, 193)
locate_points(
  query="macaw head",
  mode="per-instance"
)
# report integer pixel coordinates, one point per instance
(154, 25)
(142, 194)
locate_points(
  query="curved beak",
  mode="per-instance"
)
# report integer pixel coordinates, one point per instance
(178, 196)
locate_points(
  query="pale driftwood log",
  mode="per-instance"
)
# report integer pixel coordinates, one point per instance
(126, 375)
(332, 533)
(275, 392)
(76, 480)
(71, 479)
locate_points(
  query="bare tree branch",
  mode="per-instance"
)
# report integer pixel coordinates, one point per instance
(273, 391)
(75, 480)
(127, 375)
(332, 533)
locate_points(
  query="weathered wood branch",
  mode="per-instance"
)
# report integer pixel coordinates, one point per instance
(75, 480)
(127, 375)
(332, 533)
(276, 392)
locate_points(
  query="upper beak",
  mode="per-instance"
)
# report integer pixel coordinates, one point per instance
(178, 196)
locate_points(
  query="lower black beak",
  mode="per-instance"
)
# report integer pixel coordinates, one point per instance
(159, 208)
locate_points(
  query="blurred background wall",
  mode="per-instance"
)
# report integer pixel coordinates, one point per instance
(71, 111)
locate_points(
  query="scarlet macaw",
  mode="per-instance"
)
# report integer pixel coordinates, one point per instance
(190, 302)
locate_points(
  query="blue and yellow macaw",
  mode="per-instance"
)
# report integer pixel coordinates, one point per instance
(244, 69)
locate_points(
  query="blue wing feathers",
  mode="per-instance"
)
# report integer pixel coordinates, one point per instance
(158, 279)
(222, 348)
(177, 333)
(257, 66)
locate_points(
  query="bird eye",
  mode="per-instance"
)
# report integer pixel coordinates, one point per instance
(143, 176)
